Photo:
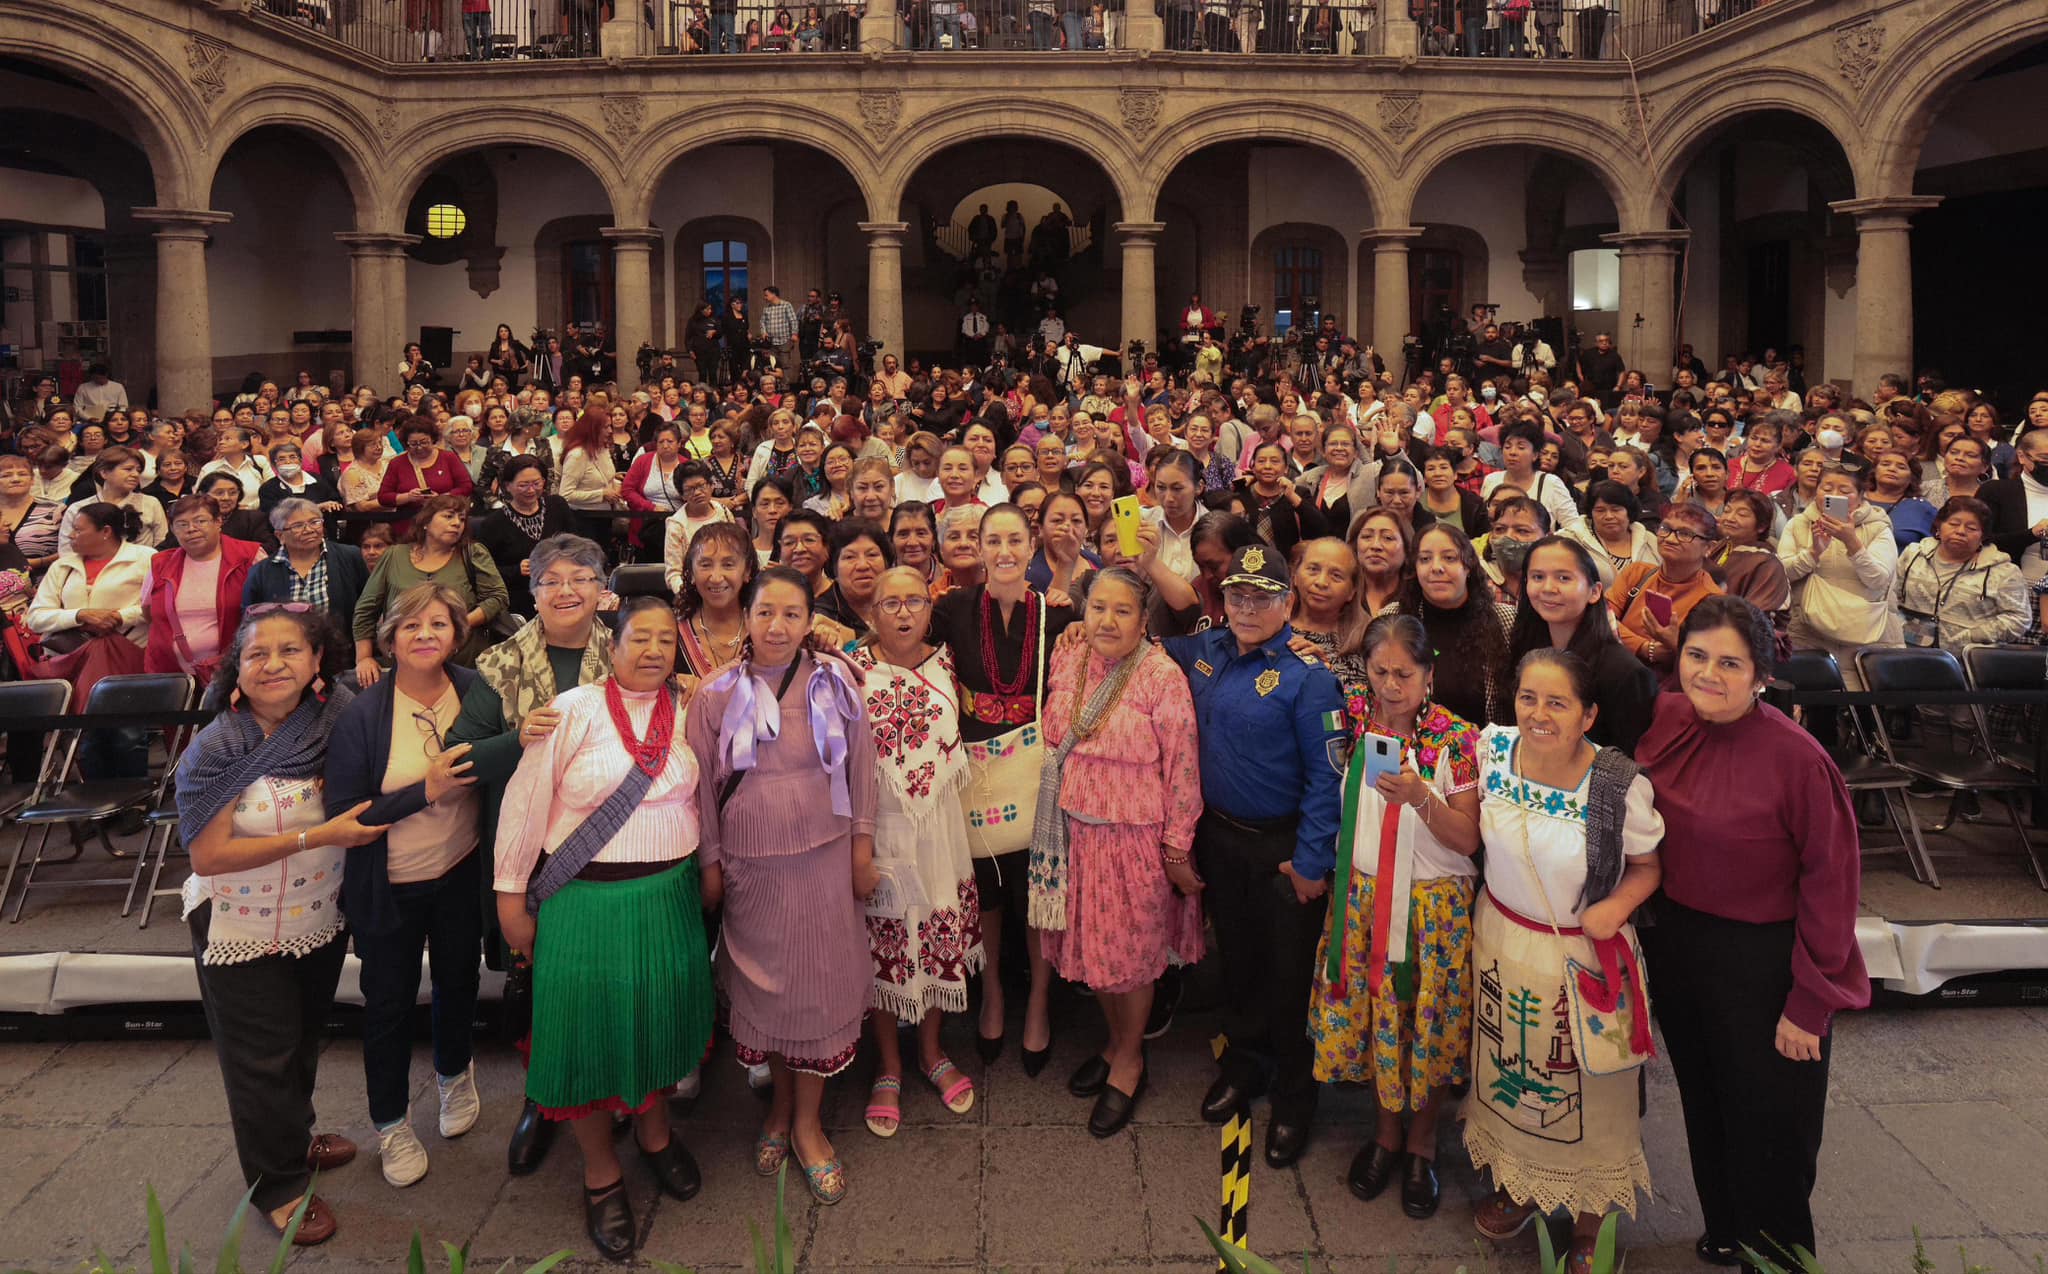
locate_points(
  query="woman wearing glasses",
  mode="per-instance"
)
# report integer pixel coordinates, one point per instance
(1650, 602)
(925, 932)
(416, 887)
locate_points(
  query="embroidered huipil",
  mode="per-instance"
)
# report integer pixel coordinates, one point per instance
(289, 907)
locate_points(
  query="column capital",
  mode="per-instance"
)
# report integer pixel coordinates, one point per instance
(1648, 242)
(376, 243)
(1139, 231)
(1389, 238)
(884, 234)
(188, 224)
(632, 238)
(1885, 212)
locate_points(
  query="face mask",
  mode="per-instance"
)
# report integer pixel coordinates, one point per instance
(1488, 392)
(1511, 555)
(1831, 439)
(1457, 455)
(289, 471)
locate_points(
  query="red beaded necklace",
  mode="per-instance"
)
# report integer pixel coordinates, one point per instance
(651, 753)
(990, 666)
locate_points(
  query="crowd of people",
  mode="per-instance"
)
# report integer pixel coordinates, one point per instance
(1405, 703)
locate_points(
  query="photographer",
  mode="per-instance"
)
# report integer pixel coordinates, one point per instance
(1068, 366)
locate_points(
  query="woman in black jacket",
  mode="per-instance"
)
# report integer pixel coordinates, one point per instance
(507, 356)
(701, 338)
(1562, 607)
(732, 326)
(528, 516)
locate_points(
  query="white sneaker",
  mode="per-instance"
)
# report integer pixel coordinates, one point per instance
(405, 1159)
(689, 1088)
(459, 1103)
(760, 1077)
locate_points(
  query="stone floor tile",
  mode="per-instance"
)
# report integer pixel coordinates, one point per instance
(32, 1157)
(1871, 1188)
(189, 1094)
(1177, 1190)
(1939, 1054)
(97, 1198)
(913, 1199)
(1052, 1195)
(1981, 1150)
(88, 1082)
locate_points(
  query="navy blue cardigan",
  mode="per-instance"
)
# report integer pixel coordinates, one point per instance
(358, 751)
(271, 581)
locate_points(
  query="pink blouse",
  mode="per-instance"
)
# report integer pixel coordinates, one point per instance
(564, 778)
(1143, 766)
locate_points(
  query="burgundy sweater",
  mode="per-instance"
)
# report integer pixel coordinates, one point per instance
(1759, 828)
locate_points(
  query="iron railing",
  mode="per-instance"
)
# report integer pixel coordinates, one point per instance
(439, 31)
(749, 26)
(1552, 30)
(1351, 27)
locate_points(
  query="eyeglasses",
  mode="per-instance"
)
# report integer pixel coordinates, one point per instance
(1252, 599)
(904, 605)
(303, 524)
(577, 582)
(1677, 536)
(292, 608)
(430, 732)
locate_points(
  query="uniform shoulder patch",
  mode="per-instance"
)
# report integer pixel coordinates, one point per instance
(1202, 666)
(1308, 659)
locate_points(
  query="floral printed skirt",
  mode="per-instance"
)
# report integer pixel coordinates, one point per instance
(1125, 921)
(1406, 1049)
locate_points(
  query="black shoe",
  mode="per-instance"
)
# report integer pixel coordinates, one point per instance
(1419, 1188)
(1285, 1142)
(1230, 1094)
(608, 1220)
(1088, 1079)
(1165, 999)
(1715, 1252)
(988, 1047)
(531, 1137)
(1372, 1169)
(1034, 1059)
(675, 1169)
(1113, 1109)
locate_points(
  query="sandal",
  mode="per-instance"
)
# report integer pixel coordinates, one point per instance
(770, 1149)
(1580, 1260)
(1499, 1217)
(878, 1114)
(827, 1180)
(957, 1095)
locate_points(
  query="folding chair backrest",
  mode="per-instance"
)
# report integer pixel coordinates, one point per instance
(42, 698)
(1909, 668)
(141, 692)
(643, 579)
(1813, 670)
(2007, 667)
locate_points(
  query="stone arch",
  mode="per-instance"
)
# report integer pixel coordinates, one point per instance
(436, 139)
(1695, 125)
(1921, 73)
(1339, 267)
(751, 121)
(331, 122)
(688, 242)
(1284, 123)
(1587, 139)
(548, 242)
(149, 95)
(1078, 130)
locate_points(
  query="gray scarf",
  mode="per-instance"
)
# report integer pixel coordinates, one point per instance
(1048, 871)
(1606, 810)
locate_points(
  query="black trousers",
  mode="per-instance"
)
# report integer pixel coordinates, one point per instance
(440, 919)
(267, 1018)
(1752, 1116)
(1267, 943)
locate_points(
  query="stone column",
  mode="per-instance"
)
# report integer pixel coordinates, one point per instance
(1390, 289)
(1648, 321)
(632, 293)
(885, 284)
(184, 321)
(1141, 302)
(879, 29)
(377, 327)
(131, 310)
(1884, 285)
(1143, 27)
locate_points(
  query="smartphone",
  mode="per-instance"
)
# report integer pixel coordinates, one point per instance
(1125, 511)
(1382, 756)
(1835, 506)
(1659, 607)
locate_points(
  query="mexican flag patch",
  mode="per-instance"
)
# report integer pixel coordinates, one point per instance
(1333, 722)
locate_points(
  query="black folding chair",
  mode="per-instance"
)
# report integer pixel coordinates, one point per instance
(41, 698)
(60, 802)
(640, 579)
(1994, 668)
(1933, 670)
(1862, 771)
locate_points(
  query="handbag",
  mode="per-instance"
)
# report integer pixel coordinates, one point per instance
(1609, 1006)
(1002, 777)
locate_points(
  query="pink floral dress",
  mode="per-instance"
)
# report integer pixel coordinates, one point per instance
(1129, 792)
(924, 924)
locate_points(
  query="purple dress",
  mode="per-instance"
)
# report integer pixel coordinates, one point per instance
(793, 961)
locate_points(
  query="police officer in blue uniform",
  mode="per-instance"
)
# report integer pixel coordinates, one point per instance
(1272, 739)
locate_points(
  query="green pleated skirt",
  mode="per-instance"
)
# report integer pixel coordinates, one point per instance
(621, 993)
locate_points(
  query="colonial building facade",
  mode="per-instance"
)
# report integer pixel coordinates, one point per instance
(210, 187)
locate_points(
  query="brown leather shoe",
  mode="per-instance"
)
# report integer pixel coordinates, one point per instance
(318, 1226)
(329, 1151)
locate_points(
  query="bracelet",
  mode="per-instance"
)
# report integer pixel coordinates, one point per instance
(1172, 861)
(302, 842)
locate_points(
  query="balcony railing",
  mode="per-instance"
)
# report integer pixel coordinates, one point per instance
(1539, 30)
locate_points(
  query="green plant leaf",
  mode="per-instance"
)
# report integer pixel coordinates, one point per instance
(1547, 1258)
(1603, 1244)
(1763, 1264)
(185, 1260)
(761, 1265)
(785, 1245)
(415, 1260)
(550, 1261)
(291, 1230)
(230, 1259)
(159, 1246)
(458, 1257)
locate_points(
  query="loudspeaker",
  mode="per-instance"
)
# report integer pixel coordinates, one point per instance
(438, 344)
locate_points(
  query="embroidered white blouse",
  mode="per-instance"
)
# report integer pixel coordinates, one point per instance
(289, 907)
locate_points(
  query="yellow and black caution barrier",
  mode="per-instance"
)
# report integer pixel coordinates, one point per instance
(1237, 1170)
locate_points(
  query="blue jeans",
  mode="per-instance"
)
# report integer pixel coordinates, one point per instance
(1041, 30)
(1071, 25)
(444, 919)
(722, 40)
(944, 25)
(476, 33)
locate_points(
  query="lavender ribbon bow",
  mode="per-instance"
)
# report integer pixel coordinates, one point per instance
(753, 715)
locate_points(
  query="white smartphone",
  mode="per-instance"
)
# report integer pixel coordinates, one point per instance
(1835, 506)
(1382, 756)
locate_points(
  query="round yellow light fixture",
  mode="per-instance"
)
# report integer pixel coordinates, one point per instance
(445, 221)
